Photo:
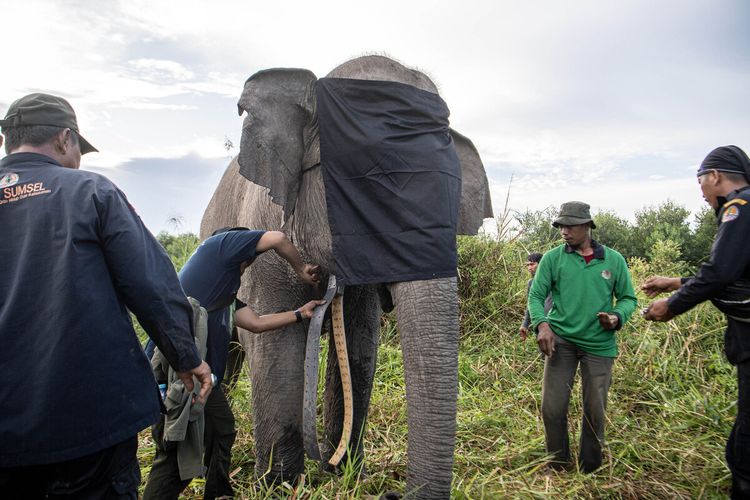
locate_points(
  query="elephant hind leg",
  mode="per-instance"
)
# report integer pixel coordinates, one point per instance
(427, 315)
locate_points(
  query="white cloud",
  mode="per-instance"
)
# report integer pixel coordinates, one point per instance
(223, 84)
(567, 97)
(159, 69)
(152, 106)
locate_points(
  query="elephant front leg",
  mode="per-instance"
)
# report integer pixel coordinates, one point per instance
(276, 360)
(362, 326)
(427, 315)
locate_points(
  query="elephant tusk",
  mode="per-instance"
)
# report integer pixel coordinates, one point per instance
(339, 335)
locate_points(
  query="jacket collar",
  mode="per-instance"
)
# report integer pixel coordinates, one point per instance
(598, 249)
(36, 158)
(734, 194)
(722, 200)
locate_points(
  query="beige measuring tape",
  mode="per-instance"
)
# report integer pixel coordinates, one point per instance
(339, 337)
(335, 298)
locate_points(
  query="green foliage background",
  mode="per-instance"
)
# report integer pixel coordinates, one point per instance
(179, 247)
(691, 237)
(671, 405)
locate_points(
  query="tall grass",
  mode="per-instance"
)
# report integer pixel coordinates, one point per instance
(671, 405)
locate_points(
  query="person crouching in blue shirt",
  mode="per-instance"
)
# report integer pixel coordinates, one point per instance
(212, 275)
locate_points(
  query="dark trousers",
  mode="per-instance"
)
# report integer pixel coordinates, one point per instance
(738, 446)
(164, 480)
(559, 372)
(112, 474)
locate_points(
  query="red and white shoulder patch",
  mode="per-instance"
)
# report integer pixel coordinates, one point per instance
(730, 213)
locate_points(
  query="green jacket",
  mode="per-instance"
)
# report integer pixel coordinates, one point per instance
(579, 292)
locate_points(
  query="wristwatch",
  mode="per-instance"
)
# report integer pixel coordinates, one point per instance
(298, 315)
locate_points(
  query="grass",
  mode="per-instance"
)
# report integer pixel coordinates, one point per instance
(671, 406)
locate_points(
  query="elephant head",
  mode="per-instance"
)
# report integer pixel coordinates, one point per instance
(275, 184)
(279, 132)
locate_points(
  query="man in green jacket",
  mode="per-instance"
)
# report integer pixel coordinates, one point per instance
(593, 296)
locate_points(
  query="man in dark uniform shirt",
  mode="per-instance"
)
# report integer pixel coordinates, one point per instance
(212, 276)
(724, 178)
(76, 385)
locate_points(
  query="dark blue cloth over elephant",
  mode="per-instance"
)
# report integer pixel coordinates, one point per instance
(387, 156)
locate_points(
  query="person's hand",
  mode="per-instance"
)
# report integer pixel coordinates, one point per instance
(546, 339)
(659, 284)
(203, 373)
(608, 321)
(310, 274)
(658, 311)
(307, 309)
(524, 332)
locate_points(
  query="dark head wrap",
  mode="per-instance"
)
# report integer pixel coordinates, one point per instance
(726, 159)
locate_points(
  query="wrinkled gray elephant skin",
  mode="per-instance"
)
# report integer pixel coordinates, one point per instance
(280, 153)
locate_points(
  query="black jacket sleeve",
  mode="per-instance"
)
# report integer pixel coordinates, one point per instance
(145, 278)
(729, 260)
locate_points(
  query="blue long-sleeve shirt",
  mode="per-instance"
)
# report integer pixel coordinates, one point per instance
(75, 258)
(212, 276)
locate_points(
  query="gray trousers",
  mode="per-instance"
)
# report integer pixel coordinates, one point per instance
(596, 376)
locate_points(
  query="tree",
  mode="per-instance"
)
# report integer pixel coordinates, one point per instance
(663, 229)
(535, 232)
(668, 221)
(179, 247)
(698, 247)
(615, 232)
(667, 258)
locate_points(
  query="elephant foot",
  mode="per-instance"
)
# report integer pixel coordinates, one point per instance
(561, 465)
(361, 471)
(327, 468)
(272, 479)
(391, 495)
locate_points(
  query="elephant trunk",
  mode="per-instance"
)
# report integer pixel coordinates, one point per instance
(427, 313)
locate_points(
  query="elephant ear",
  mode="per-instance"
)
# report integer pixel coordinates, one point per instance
(476, 204)
(278, 131)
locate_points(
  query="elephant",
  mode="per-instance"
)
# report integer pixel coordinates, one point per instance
(280, 152)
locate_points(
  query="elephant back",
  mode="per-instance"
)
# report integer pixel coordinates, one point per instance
(385, 69)
(223, 209)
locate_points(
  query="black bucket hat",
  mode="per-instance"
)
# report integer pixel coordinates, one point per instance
(44, 109)
(573, 213)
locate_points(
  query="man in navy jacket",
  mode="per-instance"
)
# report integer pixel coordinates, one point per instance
(77, 387)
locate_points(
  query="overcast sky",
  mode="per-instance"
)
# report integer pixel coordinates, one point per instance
(610, 102)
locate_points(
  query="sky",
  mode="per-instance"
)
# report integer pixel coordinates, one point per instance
(611, 102)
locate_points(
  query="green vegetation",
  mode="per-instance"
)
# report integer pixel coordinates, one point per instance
(653, 225)
(179, 247)
(671, 405)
